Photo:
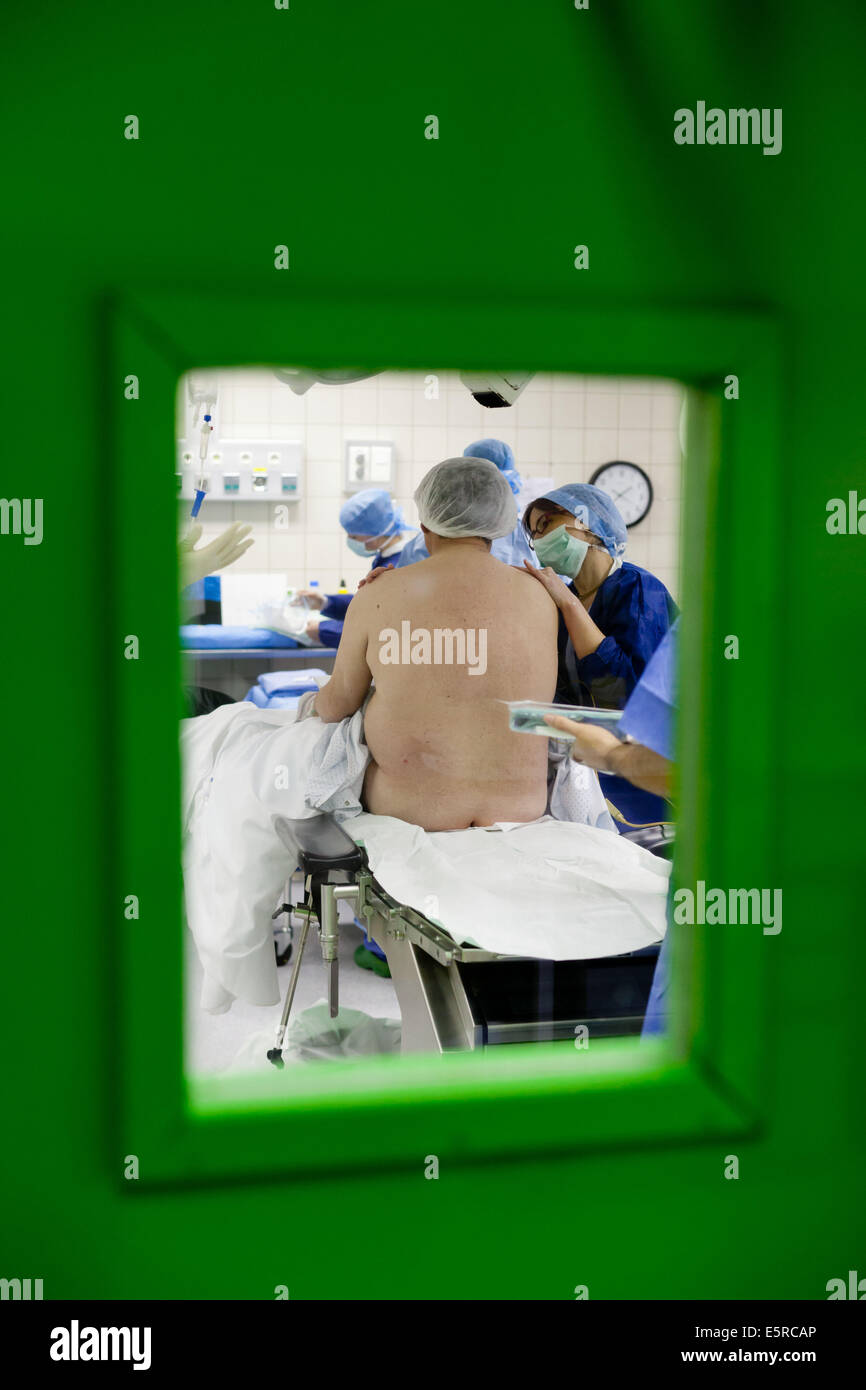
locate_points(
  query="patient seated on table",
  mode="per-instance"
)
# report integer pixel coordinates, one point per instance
(444, 640)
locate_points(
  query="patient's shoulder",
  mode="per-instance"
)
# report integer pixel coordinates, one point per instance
(532, 595)
(388, 585)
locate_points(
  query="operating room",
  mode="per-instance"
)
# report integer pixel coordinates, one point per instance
(329, 914)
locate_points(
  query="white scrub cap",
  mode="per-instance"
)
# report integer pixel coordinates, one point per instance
(466, 497)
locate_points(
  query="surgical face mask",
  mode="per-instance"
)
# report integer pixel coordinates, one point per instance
(358, 548)
(564, 553)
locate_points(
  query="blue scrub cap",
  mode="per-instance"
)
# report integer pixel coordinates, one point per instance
(371, 513)
(594, 509)
(498, 452)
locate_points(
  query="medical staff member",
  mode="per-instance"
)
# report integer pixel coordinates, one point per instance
(512, 549)
(612, 614)
(376, 529)
(646, 759)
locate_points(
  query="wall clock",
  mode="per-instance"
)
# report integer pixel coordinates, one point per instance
(628, 486)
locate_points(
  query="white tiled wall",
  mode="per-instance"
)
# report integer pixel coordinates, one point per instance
(562, 426)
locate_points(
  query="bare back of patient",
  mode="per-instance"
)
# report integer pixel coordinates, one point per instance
(443, 756)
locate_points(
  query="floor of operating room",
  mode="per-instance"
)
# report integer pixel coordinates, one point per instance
(216, 1043)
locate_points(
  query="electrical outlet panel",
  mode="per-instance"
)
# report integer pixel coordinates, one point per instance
(259, 470)
(368, 463)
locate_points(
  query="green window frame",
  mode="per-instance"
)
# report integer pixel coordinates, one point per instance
(707, 1078)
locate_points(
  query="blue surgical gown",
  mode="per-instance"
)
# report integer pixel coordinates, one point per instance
(649, 719)
(635, 611)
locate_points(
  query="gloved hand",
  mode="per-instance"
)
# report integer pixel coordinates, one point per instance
(229, 546)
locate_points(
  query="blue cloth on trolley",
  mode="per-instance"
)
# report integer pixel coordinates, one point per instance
(209, 636)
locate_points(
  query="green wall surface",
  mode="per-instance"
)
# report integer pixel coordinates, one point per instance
(305, 126)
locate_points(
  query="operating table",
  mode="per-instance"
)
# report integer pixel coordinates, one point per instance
(455, 997)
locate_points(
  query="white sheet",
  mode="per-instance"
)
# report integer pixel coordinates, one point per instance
(244, 767)
(550, 888)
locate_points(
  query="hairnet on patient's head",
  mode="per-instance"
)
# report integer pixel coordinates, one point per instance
(371, 513)
(593, 509)
(466, 497)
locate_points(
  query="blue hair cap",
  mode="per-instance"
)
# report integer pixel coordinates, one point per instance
(371, 513)
(595, 510)
(498, 452)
